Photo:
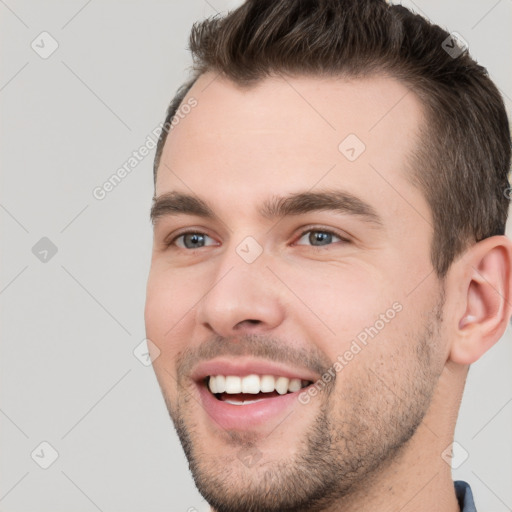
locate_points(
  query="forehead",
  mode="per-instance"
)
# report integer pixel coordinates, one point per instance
(284, 134)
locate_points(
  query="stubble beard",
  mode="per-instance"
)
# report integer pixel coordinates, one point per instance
(350, 441)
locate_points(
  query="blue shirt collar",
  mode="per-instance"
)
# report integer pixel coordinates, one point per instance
(464, 496)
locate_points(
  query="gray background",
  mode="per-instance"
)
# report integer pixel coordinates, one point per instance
(70, 324)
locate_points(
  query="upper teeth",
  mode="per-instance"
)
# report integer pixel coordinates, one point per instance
(253, 384)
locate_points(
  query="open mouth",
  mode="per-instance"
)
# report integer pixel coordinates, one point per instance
(249, 389)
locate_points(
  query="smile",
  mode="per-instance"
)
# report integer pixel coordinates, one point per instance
(250, 389)
(248, 393)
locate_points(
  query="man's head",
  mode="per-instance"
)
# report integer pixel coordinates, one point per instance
(325, 218)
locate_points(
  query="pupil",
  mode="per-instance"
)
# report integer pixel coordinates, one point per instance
(194, 239)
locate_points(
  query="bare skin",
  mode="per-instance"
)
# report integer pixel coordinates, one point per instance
(372, 439)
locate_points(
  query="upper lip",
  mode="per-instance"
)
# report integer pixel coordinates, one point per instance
(249, 366)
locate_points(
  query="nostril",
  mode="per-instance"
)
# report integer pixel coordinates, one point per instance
(250, 324)
(248, 321)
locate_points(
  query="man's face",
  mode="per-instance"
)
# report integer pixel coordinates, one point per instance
(297, 290)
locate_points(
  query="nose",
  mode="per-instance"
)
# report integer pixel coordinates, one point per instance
(241, 297)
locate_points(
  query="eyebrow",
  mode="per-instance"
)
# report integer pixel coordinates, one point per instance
(177, 203)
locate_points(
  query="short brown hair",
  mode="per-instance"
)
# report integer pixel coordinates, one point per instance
(463, 161)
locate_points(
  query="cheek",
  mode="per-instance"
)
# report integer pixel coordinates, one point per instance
(340, 302)
(162, 314)
(168, 297)
(156, 309)
(168, 310)
(378, 364)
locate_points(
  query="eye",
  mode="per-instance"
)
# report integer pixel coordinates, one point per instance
(191, 240)
(320, 237)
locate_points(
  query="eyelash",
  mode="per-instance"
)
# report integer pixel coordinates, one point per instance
(308, 230)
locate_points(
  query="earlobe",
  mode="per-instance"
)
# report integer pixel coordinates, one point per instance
(485, 294)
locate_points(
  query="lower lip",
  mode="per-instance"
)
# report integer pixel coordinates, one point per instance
(245, 417)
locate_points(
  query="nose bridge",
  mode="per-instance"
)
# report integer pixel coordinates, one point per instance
(242, 291)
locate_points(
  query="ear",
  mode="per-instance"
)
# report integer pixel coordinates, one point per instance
(484, 292)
